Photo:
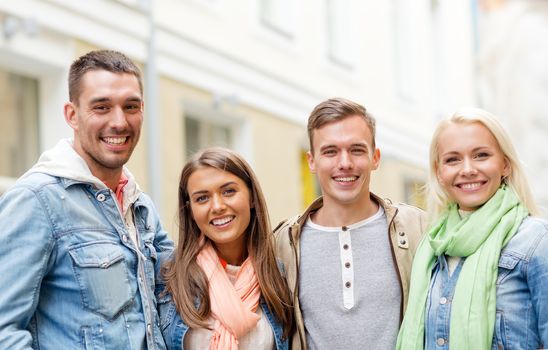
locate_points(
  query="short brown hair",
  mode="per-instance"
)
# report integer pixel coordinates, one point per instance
(109, 60)
(336, 109)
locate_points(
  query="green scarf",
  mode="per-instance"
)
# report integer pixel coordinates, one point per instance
(479, 237)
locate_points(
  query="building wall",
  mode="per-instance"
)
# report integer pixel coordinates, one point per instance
(256, 74)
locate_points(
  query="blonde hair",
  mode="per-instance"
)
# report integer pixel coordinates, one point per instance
(516, 180)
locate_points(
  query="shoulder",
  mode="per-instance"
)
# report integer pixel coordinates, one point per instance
(34, 182)
(408, 216)
(530, 239)
(282, 231)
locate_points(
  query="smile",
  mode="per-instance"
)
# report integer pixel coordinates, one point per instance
(470, 186)
(222, 221)
(345, 179)
(115, 140)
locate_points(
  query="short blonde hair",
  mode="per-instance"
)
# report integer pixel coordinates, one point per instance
(438, 200)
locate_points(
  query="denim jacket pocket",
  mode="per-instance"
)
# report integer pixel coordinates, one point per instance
(499, 336)
(102, 276)
(507, 263)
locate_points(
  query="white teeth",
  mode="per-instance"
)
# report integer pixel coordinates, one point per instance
(225, 220)
(115, 140)
(346, 179)
(470, 186)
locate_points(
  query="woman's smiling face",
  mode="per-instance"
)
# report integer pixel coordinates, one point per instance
(220, 205)
(470, 165)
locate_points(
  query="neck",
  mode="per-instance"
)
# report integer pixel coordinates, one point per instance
(232, 254)
(111, 179)
(337, 214)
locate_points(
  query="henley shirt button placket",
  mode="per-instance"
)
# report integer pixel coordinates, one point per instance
(347, 267)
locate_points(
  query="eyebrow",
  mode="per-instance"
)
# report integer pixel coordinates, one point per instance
(361, 144)
(205, 191)
(107, 99)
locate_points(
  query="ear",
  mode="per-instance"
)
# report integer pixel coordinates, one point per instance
(507, 170)
(376, 160)
(71, 117)
(311, 164)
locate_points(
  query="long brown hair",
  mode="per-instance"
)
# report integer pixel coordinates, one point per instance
(185, 280)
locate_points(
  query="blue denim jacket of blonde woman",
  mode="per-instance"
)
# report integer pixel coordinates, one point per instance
(174, 328)
(522, 293)
(71, 275)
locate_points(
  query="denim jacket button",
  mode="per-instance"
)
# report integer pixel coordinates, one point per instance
(440, 341)
(124, 238)
(443, 300)
(101, 197)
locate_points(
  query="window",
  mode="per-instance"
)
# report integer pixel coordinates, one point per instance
(200, 134)
(339, 35)
(19, 140)
(278, 15)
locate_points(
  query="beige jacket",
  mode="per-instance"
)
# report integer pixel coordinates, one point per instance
(406, 226)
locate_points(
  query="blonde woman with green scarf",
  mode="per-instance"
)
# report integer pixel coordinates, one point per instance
(480, 275)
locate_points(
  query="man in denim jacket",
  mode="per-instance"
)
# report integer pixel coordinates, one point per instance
(81, 245)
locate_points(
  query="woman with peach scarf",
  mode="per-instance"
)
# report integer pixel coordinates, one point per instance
(224, 289)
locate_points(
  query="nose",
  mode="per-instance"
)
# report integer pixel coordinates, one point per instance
(468, 168)
(345, 161)
(217, 204)
(118, 118)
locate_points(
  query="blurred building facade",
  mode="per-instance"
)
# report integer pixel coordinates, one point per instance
(243, 74)
(513, 79)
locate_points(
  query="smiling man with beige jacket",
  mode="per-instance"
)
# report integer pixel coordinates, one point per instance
(348, 257)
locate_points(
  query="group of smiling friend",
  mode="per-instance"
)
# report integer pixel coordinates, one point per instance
(87, 265)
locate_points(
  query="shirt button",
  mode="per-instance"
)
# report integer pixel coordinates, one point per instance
(101, 197)
(345, 247)
(403, 241)
(344, 228)
(440, 341)
(347, 265)
(401, 233)
(100, 330)
(347, 284)
(443, 300)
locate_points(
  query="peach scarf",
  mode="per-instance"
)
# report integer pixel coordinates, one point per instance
(232, 306)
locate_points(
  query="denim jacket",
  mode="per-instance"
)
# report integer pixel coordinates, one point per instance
(174, 328)
(71, 277)
(522, 293)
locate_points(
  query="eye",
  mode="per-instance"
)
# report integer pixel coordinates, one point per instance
(229, 192)
(133, 108)
(358, 151)
(450, 160)
(329, 152)
(201, 199)
(482, 155)
(101, 108)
